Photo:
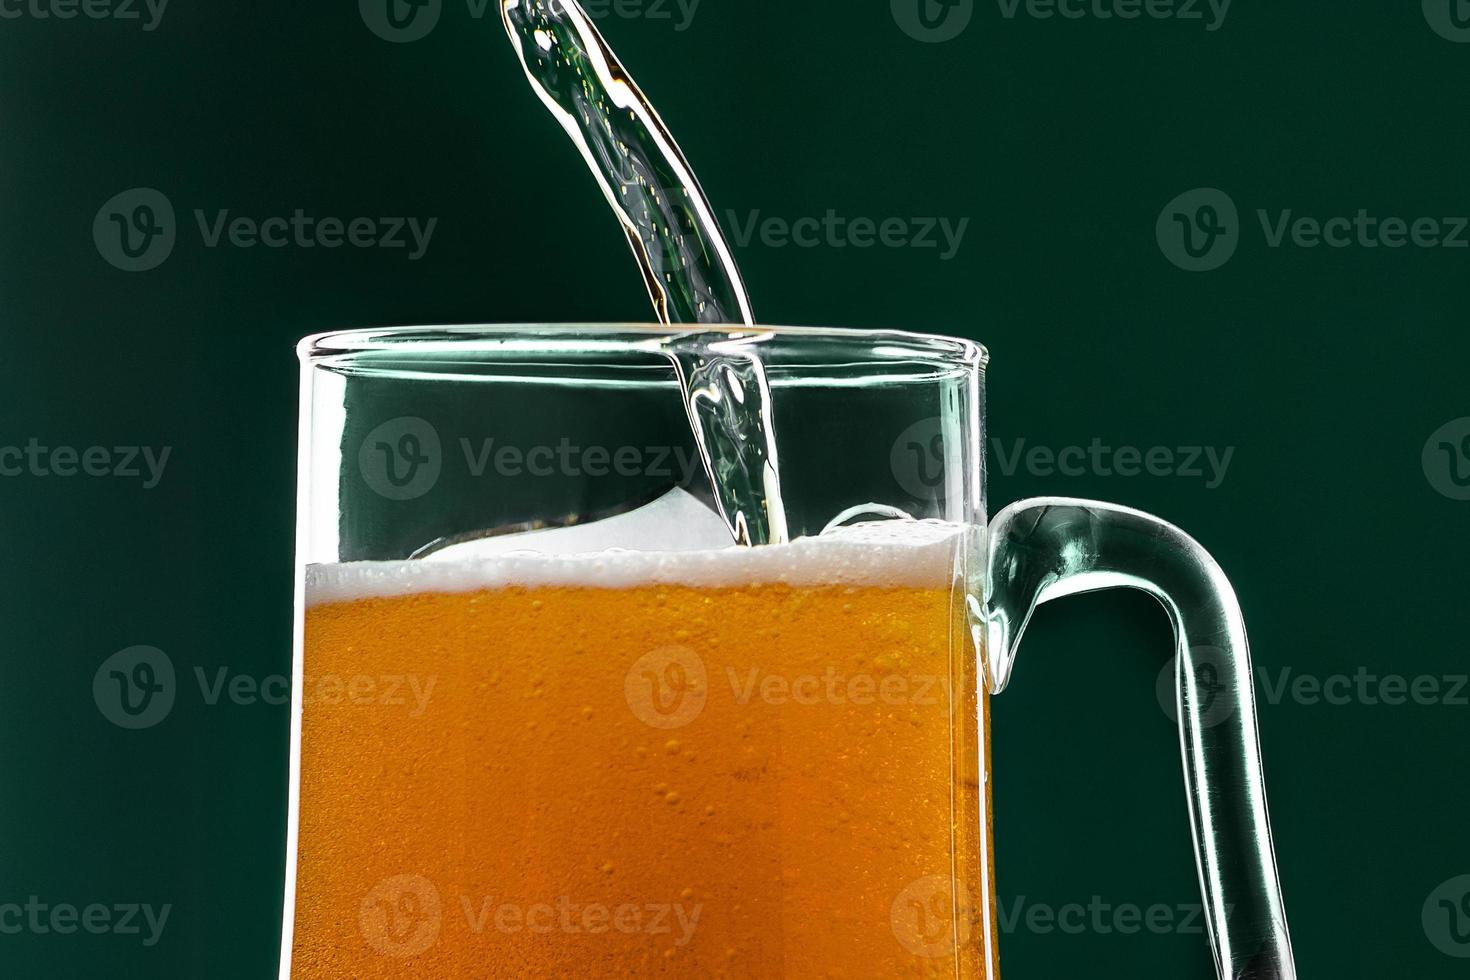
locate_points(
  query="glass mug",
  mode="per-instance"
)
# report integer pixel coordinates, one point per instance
(549, 721)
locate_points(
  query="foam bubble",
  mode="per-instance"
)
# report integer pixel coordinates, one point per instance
(888, 554)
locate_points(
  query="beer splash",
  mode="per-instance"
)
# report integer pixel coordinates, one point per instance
(686, 261)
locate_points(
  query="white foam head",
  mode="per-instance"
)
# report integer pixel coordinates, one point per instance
(677, 521)
(890, 554)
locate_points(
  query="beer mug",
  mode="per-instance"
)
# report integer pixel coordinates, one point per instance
(667, 652)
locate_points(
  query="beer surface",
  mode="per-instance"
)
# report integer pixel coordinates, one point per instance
(596, 772)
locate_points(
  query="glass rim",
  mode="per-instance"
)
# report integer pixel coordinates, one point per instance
(876, 346)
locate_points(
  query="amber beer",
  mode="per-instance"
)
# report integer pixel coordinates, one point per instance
(757, 763)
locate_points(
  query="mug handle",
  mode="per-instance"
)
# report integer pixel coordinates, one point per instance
(1052, 547)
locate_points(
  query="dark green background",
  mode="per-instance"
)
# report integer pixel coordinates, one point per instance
(1061, 141)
